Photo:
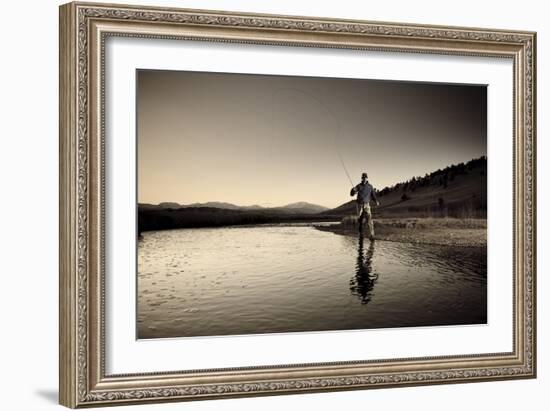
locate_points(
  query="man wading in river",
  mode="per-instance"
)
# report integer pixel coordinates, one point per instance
(365, 193)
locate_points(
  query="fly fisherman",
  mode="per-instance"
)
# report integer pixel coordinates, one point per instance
(365, 193)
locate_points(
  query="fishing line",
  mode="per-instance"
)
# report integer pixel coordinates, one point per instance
(336, 136)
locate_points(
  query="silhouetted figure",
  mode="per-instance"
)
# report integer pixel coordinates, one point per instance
(363, 283)
(365, 193)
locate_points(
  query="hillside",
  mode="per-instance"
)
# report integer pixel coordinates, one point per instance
(158, 218)
(301, 208)
(456, 191)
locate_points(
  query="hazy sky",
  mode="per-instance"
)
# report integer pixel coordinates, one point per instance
(274, 140)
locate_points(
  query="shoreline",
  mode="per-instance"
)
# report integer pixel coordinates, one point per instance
(418, 230)
(308, 223)
(429, 231)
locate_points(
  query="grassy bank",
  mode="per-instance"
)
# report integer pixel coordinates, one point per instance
(463, 232)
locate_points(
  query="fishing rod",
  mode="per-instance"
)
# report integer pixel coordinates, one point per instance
(335, 136)
(327, 109)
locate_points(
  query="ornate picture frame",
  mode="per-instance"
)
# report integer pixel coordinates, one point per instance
(84, 28)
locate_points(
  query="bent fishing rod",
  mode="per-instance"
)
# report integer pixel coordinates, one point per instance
(336, 135)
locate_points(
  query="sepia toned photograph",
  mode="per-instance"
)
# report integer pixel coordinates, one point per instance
(282, 204)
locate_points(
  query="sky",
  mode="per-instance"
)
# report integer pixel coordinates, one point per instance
(274, 140)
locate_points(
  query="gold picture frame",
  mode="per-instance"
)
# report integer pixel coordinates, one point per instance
(84, 27)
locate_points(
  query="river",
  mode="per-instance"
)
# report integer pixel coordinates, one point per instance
(295, 278)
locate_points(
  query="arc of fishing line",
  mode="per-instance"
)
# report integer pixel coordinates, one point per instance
(323, 105)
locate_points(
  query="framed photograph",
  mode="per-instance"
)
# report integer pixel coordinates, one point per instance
(259, 204)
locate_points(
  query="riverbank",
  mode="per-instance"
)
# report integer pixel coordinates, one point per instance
(159, 218)
(438, 231)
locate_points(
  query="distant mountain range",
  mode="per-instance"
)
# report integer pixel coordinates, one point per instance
(301, 207)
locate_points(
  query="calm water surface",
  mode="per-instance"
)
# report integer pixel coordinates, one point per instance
(288, 278)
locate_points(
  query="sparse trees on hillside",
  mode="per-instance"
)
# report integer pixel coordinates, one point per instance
(441, 177)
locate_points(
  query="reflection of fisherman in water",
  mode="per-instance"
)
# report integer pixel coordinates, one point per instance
(362, 284)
